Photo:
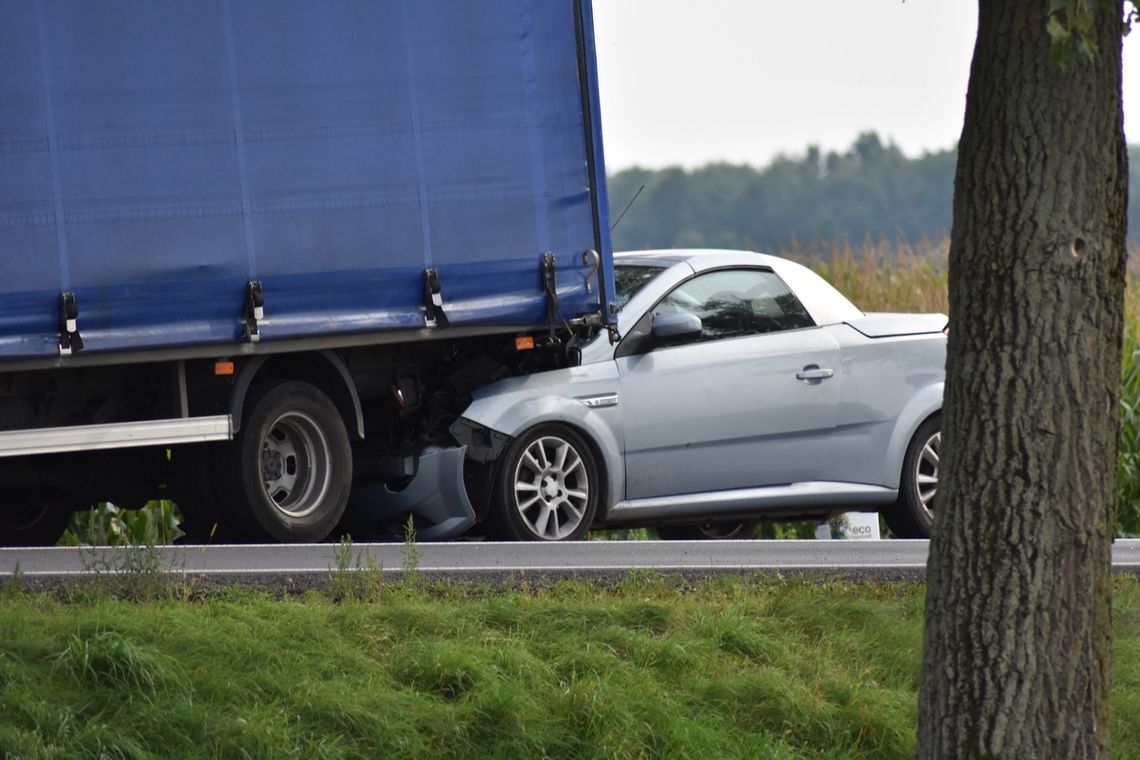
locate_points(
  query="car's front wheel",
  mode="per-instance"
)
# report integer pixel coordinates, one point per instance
(912, 515)
(547, 487)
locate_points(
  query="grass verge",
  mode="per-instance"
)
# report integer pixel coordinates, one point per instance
(739, 667)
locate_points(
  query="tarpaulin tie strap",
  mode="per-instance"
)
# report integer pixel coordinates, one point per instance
(69, 340)
(254, 311)
(550, 286)
(433, 300)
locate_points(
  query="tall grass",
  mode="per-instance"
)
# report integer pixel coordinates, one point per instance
(650, 668)
(883, 276)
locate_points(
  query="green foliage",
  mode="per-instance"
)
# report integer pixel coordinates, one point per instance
(735, 668)
(110, 525)
(1128, 468)
(648, 669)
(411, 565)
(142, 571)
(1070, 27)
(357, 575)
(786, 531)
(884, 277)
(110, 660)
(870, 191)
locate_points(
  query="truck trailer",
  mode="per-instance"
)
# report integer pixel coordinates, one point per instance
(257, 253)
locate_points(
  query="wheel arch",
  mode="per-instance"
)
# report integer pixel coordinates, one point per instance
(587, 436)
(323, 369)
(604, 442)
(925, 405)
(295, 421)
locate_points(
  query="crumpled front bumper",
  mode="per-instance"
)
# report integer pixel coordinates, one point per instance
(483, 443)
(436, 496)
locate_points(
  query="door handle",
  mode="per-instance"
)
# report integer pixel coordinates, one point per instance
(813, 373)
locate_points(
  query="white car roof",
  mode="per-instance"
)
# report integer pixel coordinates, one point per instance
(824, 303)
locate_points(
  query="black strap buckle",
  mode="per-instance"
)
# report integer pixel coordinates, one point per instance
(69, 339)
(550, 287)
(433, 300)
(254, 311)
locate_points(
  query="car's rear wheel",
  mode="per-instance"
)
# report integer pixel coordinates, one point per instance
(547, 487)
(912, 515)
(32, 524)
(723, 531)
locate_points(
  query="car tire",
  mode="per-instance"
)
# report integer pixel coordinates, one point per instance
(547, 487)
(290, 465)
(912, 515)
(33, 524)
(716, 531)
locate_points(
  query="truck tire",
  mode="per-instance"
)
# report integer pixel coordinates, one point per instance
(547, 487)
(290, 465)
(32, 524)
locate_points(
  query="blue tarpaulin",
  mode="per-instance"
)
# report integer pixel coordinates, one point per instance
(156, 156)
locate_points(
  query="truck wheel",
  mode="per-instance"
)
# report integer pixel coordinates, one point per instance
(32, 524)
(292, 463)
(912, 515)
(547, 487)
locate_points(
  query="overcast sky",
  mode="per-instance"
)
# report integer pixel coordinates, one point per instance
(686, 83)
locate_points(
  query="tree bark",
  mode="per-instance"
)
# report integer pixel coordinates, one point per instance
(1017, 640)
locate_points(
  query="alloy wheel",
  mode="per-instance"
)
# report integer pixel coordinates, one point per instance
(551, 487)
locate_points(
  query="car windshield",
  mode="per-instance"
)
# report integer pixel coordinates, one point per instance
(630, 279)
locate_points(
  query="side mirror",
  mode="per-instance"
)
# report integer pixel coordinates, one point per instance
(672, 329)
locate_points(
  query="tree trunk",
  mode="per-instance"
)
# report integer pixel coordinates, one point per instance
(1018, 610)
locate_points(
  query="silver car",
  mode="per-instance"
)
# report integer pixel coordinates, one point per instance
(744, 387)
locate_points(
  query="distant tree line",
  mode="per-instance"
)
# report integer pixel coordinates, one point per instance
(872, 190)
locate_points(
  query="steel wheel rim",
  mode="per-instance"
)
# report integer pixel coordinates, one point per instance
(926, 472)
(551, 488)
(295, 464)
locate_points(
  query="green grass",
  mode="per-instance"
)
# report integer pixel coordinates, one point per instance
(651, 668)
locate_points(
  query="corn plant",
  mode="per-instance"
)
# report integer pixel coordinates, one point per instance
(111, 525)
(1128, 465)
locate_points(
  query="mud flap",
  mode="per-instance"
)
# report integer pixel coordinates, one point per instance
(436, 496)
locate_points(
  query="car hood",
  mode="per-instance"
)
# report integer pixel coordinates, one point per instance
(570, 381)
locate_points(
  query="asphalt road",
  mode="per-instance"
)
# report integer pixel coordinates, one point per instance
(871, 560)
